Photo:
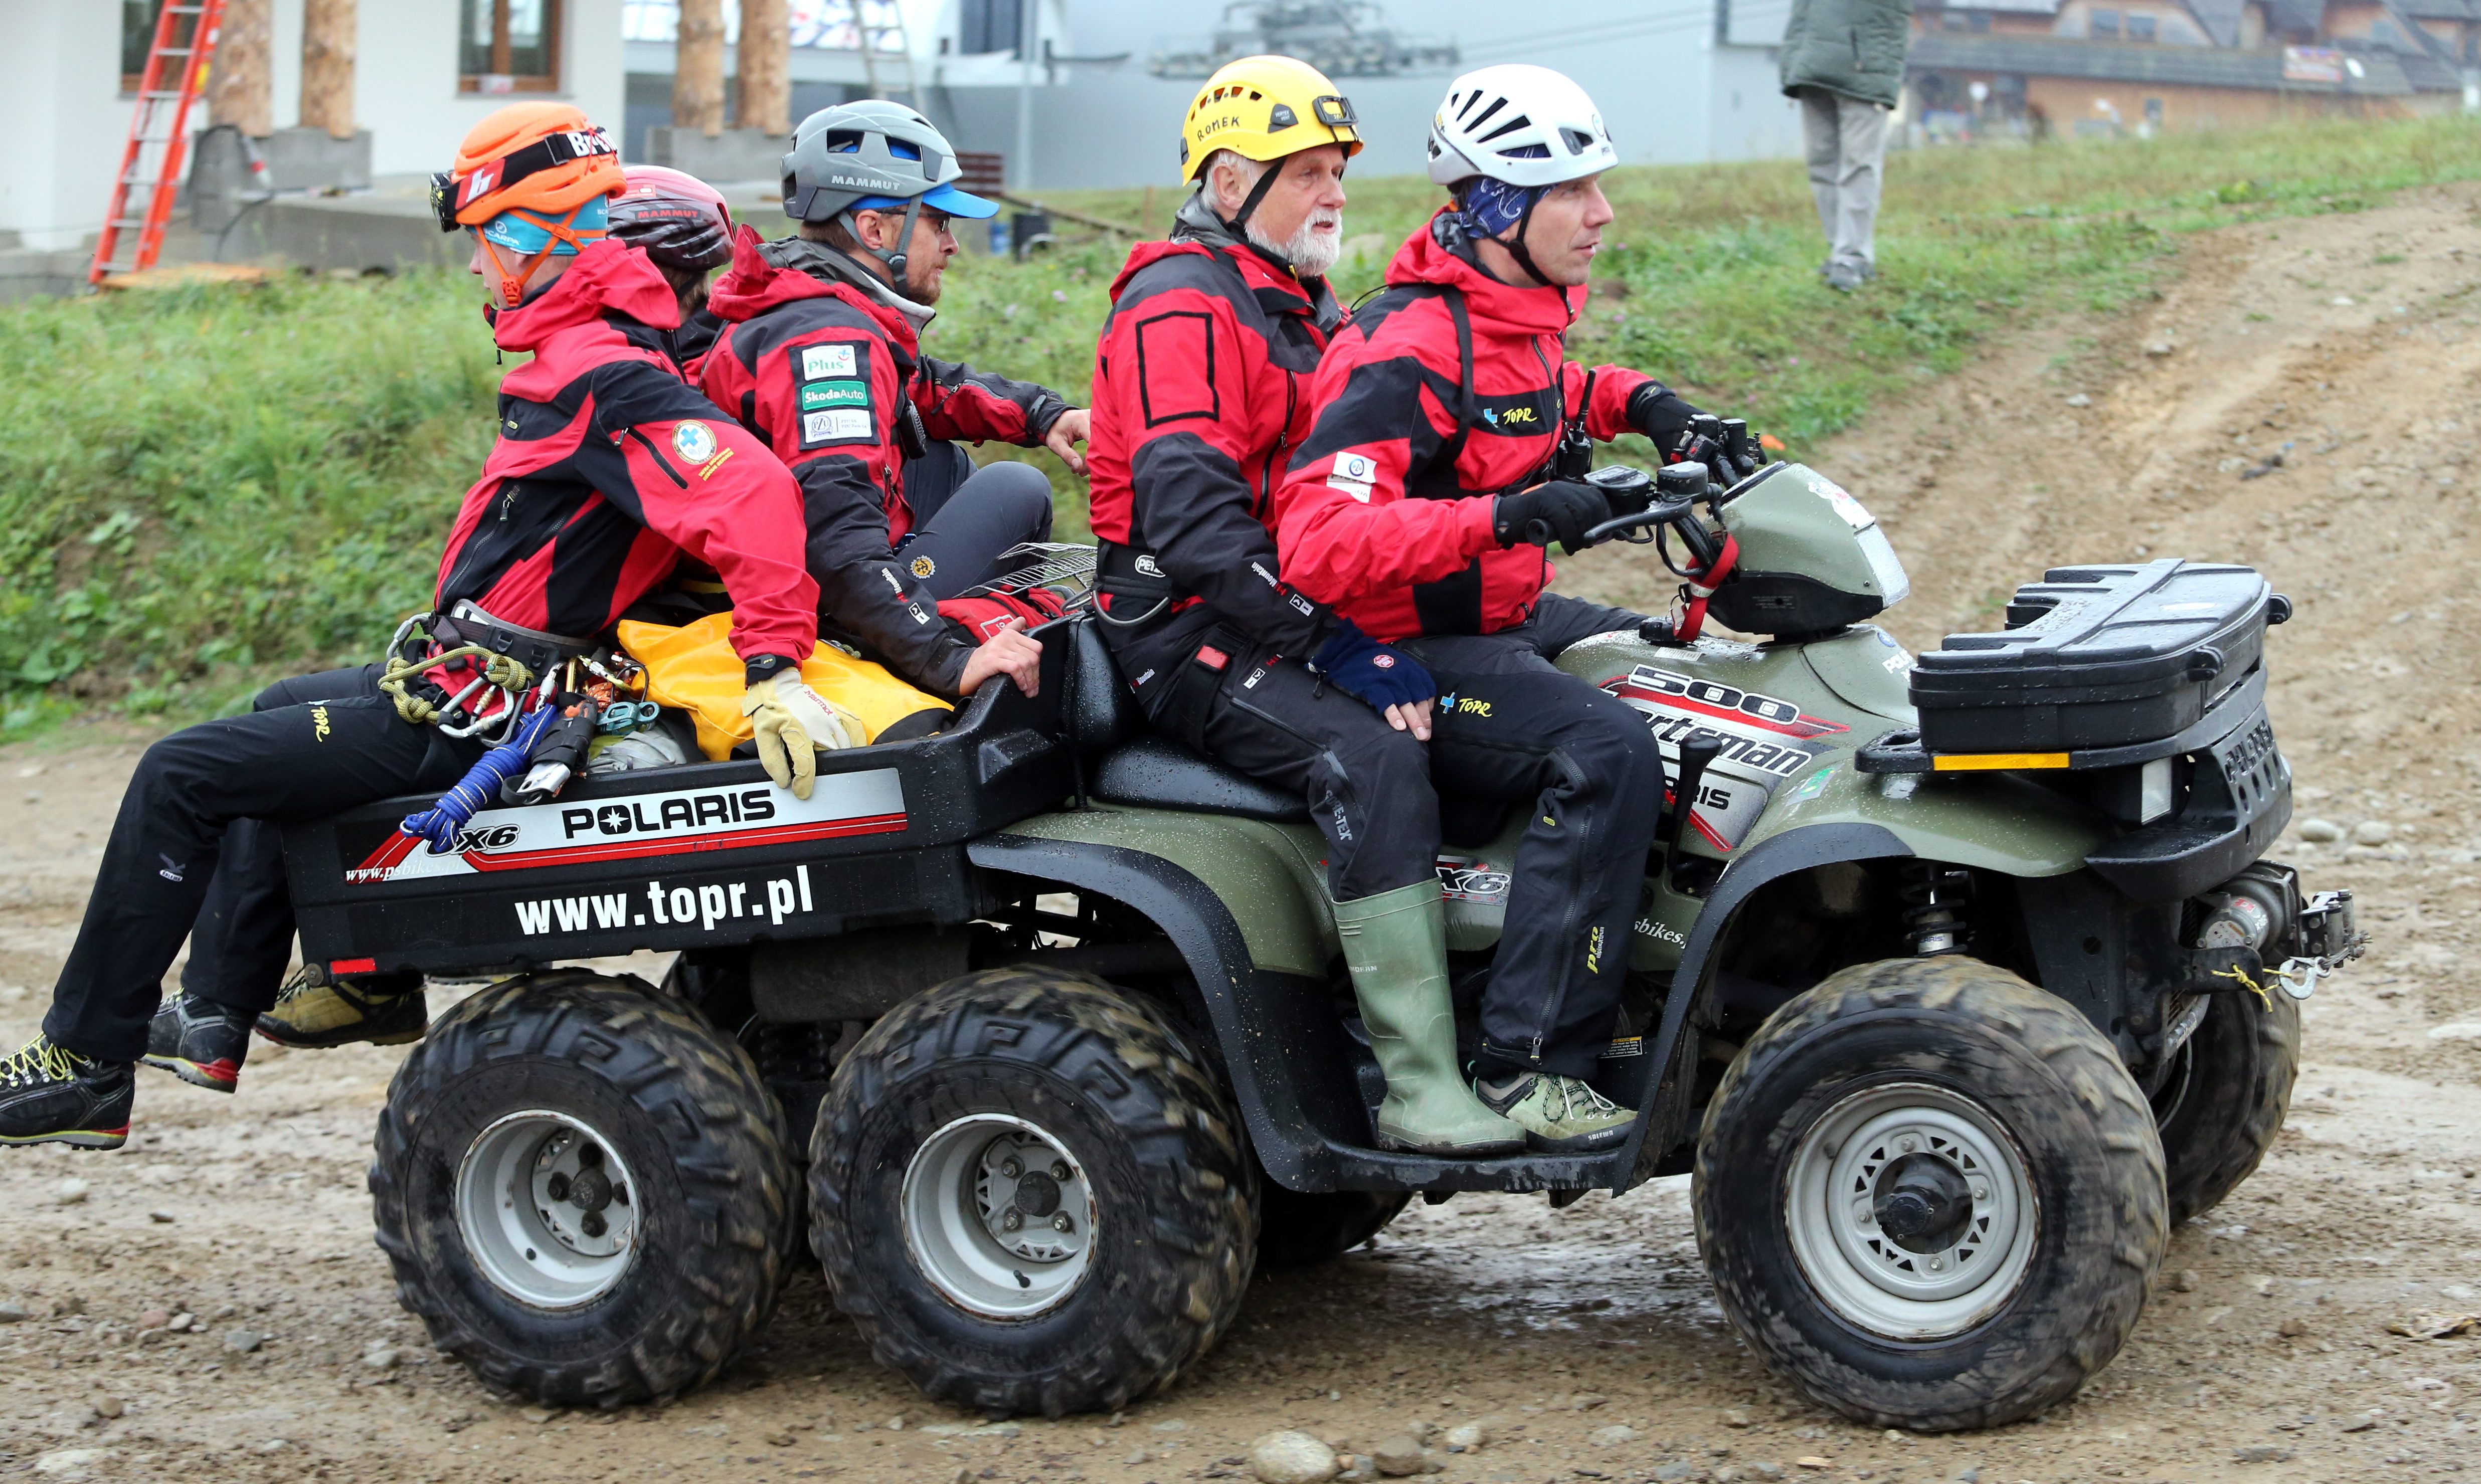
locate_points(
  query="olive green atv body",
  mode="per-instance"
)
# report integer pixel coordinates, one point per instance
(1951, 1008)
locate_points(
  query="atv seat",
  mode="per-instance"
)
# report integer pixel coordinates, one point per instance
(1131, 765)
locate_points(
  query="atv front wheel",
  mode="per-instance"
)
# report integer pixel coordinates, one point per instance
(1303, 1229)
(583, 1191)
(1930, 1194)
(1030, 1197)
(2223, 1100)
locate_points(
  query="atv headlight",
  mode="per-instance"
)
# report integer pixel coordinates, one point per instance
(1884, 569)
(2153, 798)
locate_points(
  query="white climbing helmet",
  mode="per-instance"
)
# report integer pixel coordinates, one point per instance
(1520, 123)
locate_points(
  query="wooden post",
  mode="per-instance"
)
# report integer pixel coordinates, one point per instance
(239, 80)
(327, 28)
(697, 68)
(766, 66)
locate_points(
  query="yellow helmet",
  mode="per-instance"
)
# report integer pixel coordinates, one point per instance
(1265, 108)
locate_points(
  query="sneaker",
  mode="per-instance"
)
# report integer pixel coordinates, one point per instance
(1845, 277)
(1558, 1114)
(51, 1095)
(199, 1041)
(318, 1013)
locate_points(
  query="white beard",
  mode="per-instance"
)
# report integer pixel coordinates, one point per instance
(1310, 251)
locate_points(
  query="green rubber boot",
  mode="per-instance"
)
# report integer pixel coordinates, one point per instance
(1396, 944)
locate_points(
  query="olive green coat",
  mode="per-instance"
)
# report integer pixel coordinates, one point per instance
(1854, 47)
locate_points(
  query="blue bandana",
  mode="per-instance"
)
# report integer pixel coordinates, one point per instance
(519, 235)
(1489, 207)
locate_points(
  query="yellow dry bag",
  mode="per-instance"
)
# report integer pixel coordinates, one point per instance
(694, 670)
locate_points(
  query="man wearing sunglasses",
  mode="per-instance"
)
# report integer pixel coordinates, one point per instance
(821, 356)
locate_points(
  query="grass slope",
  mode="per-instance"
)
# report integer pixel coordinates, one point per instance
(203, 487)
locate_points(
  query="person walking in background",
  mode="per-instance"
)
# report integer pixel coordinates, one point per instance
(1844, 61)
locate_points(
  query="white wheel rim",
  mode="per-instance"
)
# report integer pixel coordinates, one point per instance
(547, 1210)
(1925, 1285)
(999, 1217)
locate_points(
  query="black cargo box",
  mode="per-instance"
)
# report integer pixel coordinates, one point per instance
(2097, 657)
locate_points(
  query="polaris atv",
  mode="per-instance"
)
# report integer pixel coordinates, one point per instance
(1957, 982)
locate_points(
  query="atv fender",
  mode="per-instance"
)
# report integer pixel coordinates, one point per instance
(1245, 908)
(1244, 903)
(1984, 822)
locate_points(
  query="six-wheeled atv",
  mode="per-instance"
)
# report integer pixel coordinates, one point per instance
(1955, 985)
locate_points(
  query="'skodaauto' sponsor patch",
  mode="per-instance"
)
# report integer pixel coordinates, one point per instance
(834, 394)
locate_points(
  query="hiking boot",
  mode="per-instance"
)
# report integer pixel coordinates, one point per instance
(313, 1012)
(51, 1095)
(199, 1041)
(1396, 945)
(1558, 1114)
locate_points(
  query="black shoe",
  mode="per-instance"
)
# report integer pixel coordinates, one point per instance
(199, 1041)
(51, 1095)
(315, 1014)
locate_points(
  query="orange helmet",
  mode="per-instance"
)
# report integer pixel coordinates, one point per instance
(529, 173)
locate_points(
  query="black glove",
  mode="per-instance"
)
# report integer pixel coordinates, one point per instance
(1371, 672)
(1662, 415)
(1565, 508)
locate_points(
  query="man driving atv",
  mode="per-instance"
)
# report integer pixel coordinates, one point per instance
(607, 470)
(821, 356)
(1198, 394)
(1434, 461)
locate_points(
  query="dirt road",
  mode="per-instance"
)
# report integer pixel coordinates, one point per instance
(2348, 345)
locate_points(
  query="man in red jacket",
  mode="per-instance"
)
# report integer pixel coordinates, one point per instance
(1429, 468)
(821, 355)
(608, 470)
(1199, 396)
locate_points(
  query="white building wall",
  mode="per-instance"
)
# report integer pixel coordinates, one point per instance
(405, 81)
(1667, 91)
(60, 75)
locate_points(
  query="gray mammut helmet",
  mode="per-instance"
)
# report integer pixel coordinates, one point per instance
(874, 156)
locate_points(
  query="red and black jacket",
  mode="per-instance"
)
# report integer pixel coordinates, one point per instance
(608, 468)
(1387, 512)
(834, 380)
(1201, 383)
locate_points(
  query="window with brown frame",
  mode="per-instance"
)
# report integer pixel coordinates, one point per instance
(508, 45)
(136, 38)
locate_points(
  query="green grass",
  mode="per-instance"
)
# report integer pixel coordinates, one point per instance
(203, 488)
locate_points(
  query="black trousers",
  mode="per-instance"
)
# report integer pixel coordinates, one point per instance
(967, 517)
(196, 845)
(1510, 726)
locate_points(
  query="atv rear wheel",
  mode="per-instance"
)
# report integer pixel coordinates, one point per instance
(1930, 1194)
(1302, 1229)
(2223, 1102)
(583, 1191)
(1029, 1195)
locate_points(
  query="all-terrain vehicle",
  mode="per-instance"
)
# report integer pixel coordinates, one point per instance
(1956, 983)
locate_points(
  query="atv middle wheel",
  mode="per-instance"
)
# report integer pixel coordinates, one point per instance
(2222, 1103)
(1930, 1194)
(1029, 1195)
(583, 1191)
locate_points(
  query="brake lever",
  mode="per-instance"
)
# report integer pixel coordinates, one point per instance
(1645, 520)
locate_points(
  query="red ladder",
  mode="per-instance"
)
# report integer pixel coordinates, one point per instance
(158, 138)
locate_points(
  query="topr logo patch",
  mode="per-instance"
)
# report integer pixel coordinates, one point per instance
(693, 441)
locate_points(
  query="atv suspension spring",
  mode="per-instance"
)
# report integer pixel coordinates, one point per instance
(1934, 915)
